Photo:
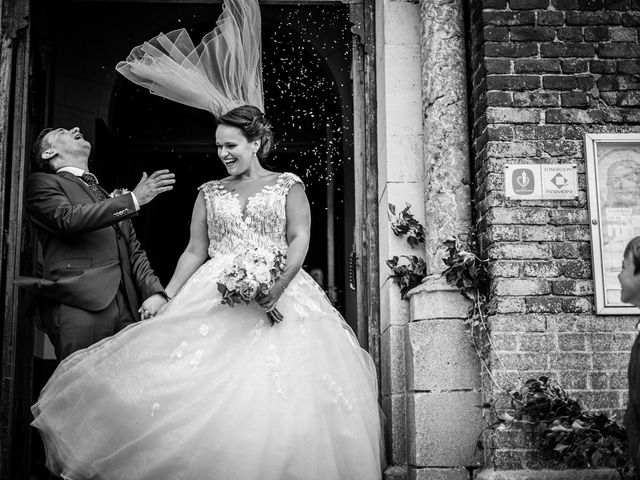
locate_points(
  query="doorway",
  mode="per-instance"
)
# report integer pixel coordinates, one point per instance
(322, 105)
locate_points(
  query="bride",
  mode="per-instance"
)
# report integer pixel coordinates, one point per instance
(204, 391)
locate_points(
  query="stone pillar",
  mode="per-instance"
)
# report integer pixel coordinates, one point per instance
(445, 125)
(443, 373)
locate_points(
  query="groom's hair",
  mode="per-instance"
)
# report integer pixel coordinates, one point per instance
(254, 126)
(633, 249)
(40, 145)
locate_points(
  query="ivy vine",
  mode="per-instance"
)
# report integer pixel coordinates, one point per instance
(558, 425)
(560, 428)
(409, 273)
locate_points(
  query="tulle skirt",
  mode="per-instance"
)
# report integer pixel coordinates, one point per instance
(208, 392)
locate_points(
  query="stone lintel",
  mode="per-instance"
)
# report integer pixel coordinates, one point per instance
(571, 474)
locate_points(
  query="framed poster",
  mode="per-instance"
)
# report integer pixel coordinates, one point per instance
(613, 182)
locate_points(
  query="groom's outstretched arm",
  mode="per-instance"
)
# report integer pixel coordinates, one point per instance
(50, 208)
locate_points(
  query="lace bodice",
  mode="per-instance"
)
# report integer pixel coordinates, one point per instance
(262, 223)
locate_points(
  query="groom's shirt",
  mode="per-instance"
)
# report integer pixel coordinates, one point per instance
(78, 172)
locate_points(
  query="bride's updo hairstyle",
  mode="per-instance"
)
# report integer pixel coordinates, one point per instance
(254, 126)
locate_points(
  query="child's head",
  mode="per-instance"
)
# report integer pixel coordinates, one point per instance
(629, 277)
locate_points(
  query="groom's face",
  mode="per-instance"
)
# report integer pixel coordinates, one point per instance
(235, 151)
(67, 145)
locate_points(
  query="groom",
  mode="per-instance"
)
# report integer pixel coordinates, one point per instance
(95, 272)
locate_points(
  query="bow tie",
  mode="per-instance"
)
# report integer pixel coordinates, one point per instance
(92, 182)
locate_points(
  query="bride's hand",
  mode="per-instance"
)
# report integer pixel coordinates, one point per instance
(268, 302)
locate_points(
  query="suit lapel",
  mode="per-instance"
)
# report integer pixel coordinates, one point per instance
(74, 178)
(78, 180)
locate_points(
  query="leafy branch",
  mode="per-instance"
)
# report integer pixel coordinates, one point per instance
(409, 274)
(563, 430)
(404, 223)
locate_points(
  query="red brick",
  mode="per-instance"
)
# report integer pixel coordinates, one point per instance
(603, 66)
(533, 34)
(574, 99)
(572, 287)
(536, 99)
(560, 82)
(520, 287)
(508, 18)
(499, 99)
(544, 304)
(546, 269)
(575, 66)
(537, 65)
(618, 50)
(570, 361)
(596, 34)
(631, 19)
(577, 305)
(538, 132)
(570, 34)
(515, 50)
(524, 251)
(593, 18)
(528, 4)
(572, 342)
(577, 4)
(565, 49)
(572, 115)
(599, 381)
(513, 82)
(576, 269)
(551, 18)
(492, 33)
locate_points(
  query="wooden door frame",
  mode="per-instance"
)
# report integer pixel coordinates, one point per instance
(17, 339)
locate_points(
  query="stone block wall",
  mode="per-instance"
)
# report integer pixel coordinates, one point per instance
(544, 73)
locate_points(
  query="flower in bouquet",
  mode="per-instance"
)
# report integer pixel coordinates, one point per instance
(251, 276)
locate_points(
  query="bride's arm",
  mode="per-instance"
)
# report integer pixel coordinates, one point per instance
(196, 252)
(298, 233)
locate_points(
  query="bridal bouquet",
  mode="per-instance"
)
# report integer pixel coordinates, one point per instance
(250, 277)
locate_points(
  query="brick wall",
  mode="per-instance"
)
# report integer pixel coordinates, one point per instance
(544, 72)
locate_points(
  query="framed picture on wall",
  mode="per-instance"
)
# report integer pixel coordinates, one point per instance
(613, 182)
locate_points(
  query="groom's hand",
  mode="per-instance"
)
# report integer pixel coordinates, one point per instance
(151, 186)
(151, 306)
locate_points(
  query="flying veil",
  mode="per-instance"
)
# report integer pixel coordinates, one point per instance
(223, 72)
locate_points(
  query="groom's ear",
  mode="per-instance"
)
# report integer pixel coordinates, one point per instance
(49, 153)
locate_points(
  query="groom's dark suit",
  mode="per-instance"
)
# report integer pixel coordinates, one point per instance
(95, 272)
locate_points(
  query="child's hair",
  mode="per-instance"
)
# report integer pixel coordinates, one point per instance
(633, 248)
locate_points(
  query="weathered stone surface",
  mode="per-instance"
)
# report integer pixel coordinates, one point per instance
(395, 409)
(443, 429)
(435, 298)
(596, 474)
(439, 474)
(392, 352)
(446, 148)
(396, 472)
(440, 357)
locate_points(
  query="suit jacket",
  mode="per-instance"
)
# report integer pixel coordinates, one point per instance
(89, 246)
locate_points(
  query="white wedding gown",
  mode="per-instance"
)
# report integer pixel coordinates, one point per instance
(208, 392)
